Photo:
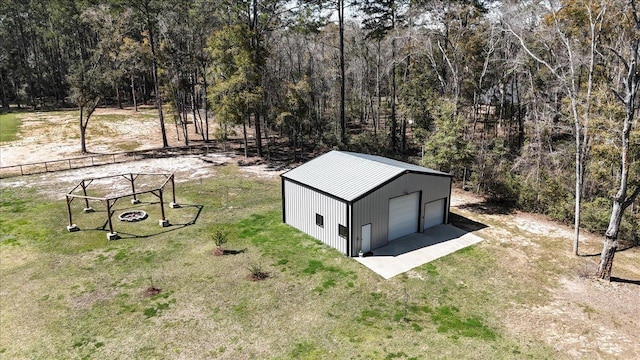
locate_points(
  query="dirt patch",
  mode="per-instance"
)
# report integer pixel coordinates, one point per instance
(55, 135)
(578, 315)
(46, 136)
(258, 276)
(152, 291)
(186, 168)
(586, 317)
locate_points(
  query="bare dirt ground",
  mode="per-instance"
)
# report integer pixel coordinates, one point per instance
(46, 136)
(54, 135)
(583, 318)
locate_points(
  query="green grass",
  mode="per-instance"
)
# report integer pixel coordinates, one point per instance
(9, 126)
(77, 295)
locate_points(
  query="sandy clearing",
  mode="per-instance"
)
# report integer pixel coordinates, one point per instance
(187, 167)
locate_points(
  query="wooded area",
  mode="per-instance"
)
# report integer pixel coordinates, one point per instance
(534, 104)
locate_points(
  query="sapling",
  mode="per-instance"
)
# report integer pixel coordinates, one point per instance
(220, 237)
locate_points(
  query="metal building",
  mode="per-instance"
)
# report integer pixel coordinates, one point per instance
(355, 202)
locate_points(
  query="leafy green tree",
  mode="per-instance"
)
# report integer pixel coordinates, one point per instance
(381, 18)
(294, 115)
(445, 149)
(147, 14)
(335, 7)
(236, 92)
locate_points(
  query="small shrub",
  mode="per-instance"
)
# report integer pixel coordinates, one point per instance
(220, 237)
(256, 273)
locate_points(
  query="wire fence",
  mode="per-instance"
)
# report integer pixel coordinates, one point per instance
(103, 159)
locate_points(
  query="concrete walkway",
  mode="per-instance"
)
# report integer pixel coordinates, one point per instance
(417, 249)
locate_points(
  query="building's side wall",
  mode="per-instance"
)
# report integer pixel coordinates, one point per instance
(374, 208)
(301, 205)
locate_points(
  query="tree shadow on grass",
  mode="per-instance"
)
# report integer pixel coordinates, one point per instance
(465, 223)
(617, 251)
(170, 228)
(489, 207)
(625, 281)
(234, 252)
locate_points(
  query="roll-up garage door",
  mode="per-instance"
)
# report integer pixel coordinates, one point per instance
(403, 215)
(433, 213)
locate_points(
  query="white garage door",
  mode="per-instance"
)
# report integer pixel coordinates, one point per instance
(434, 213)
(403, 215)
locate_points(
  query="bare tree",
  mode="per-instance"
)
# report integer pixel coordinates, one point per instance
(627, 53)
(87, 88)
(564, 58)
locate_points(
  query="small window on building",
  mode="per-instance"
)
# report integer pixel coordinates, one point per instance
(319, 220)
(342, 231)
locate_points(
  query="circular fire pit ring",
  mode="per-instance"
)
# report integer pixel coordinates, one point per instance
(133, 216)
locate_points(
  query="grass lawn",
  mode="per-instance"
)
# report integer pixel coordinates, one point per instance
(77, 295)
(9, 126)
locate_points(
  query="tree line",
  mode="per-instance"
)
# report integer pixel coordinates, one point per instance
(534, 104)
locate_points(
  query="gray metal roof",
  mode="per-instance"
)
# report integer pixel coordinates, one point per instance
(348, 175)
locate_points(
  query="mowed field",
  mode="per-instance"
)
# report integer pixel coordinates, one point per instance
(518, 294)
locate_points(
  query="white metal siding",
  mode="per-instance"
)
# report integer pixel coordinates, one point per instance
(374, 209)
(403, 215)
(301, 206)
(434, 213)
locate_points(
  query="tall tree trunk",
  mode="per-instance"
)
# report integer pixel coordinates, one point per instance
(85, 115)
(83, 128)
(343, 127)
(206, 107)
(620, 200)
(194, 107)
(118, 96)
(376, 122)
(266, 137)
(578, 181)
(185, 122)
(393, 130)
(156, 87)
(258, 133)
(133, 94)
(5, 102)
(256, 38)
(244, 136)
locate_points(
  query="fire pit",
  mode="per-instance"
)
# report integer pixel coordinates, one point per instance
(133, 216)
